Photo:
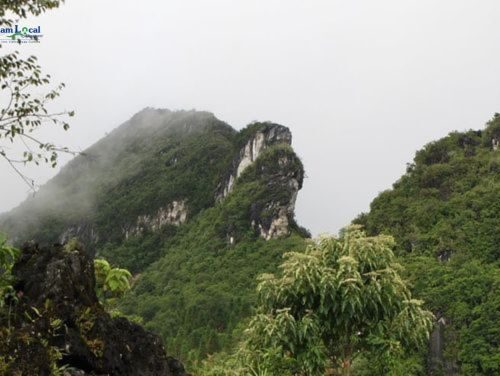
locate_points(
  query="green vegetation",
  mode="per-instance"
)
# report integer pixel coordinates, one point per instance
(196, 295)
(156, 157)
(52, 322)
(25, 109)
(195, 282)
(444, 215)
(340, 307)
(196, 300)
(8, 297)
(8, 256)
(180, 167)
(110, 282)
(338, 300)
(17, 340)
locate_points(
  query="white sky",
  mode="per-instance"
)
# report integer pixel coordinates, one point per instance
(362, 84)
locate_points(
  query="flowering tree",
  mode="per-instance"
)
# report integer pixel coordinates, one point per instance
(340, 298)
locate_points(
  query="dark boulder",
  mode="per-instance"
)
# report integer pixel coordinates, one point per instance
(58, 323)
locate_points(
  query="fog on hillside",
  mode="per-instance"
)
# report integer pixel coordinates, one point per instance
(264, 188)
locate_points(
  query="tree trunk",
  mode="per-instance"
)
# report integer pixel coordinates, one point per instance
(346, 367)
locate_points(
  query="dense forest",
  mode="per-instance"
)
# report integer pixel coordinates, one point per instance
(444, 214)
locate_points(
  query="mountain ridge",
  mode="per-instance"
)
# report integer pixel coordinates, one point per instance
(172, 196)
(444, 215)
(108, 154)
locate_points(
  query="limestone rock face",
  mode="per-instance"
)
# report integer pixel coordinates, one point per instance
(175, 213)
(58, 321)
(85, 232)
(280, 223)
(278, 226)
(251, 151)
(437, 363)
(271, 134)
(271, 217)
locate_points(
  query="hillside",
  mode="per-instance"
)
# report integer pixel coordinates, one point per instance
(140, 166)
(194, 209)
(445, 216)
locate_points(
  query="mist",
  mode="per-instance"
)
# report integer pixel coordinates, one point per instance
(362, 85)
(72, 196)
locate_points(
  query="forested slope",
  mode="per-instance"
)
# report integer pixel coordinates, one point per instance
(152, 159)
(445, 216)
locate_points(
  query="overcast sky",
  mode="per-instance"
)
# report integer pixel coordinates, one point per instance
(362, 84)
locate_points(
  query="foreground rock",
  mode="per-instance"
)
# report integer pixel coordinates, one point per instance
(59, 324)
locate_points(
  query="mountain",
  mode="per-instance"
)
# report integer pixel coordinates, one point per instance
(193, 208)
(129, 173)
(445, 216)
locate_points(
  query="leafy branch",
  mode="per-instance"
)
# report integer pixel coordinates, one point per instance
(23, 112)
(23, 8)
(8, 256)
(111, 283)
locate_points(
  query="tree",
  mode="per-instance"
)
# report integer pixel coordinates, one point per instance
(110, 282)
(8, 256)
(23, 112)
(340, 298)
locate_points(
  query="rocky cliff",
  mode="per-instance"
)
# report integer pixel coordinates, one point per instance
(174, 213)
(55, 322)
(263, 136)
